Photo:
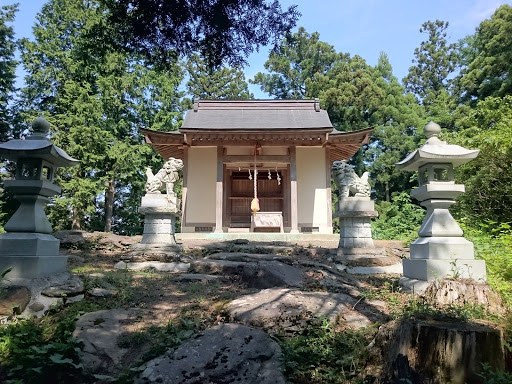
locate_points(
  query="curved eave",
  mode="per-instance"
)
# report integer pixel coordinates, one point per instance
(167, 144)
(42, 149)
(440, 154)
(342, 145)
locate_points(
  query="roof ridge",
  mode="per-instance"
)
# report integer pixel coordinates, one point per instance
(204, 104)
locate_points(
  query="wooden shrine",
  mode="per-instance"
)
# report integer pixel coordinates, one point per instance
(279, 150)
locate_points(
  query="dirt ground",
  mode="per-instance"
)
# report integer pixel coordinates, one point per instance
(164, 299)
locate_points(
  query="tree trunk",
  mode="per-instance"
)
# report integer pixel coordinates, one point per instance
(109, 203)
(388, 199)
(75, 220)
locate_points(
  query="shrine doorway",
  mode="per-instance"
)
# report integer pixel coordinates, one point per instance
(273, 196)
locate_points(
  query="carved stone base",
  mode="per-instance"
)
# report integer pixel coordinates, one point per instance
(30, 255)
(431, 269)
(355, 214)
(448, 248)
(160, 212)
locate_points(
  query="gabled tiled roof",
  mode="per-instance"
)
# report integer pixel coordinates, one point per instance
(262, 122)
(234, 115)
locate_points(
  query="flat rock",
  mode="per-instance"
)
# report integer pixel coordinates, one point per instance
(98, 331)
(70, 237)
(36, 306)
(162, 267)
(260, 274)
(227, 353)
(71, 287)
(218, 266)
(249, 257)
(14, 299)
(101, 292)
(281, 307)
(196, 277)
(154, 252)
(269, 274)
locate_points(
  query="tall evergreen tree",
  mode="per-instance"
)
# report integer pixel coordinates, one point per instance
(305, 67)
(488, 55)
(435, 60)
(396, 120)
(8, 115)
(95, 97)
(8, 66)
(430, 78)
(207, 82)
(293, 67)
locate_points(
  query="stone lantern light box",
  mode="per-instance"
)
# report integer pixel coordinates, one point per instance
(440, 251)
(27, 247)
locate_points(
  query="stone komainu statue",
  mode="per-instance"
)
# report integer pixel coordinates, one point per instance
(348, 182)
(168, 175)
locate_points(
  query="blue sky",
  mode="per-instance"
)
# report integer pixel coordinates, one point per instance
(362, 27)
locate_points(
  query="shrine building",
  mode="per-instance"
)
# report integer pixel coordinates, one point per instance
(287, 146)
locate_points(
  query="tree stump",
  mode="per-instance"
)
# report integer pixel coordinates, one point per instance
(432, 352)
(462, 292)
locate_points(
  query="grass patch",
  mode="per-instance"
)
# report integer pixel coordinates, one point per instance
(324, 354)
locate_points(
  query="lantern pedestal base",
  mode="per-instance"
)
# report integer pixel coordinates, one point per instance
(446, 248)
(418, 273)
(439, 257)
(30, 255)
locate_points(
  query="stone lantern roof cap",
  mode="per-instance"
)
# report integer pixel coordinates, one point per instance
(436, 151)
(37, 146)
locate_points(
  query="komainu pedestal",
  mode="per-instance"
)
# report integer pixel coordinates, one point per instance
(355, 214)
(160, 212)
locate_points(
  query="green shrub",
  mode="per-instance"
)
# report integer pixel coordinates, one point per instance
(33, 351)
(322, 354)
(398, 220)
(493, 243)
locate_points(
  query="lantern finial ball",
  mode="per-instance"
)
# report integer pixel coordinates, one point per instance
(40, 125)
(432, 129)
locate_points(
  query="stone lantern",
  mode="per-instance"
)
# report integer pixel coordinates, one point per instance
(27, 247)
(440, 251)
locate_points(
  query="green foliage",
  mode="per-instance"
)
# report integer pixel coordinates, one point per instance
(8, 66)
(97, 96)
(434, 60)
(324, 354)
(493, 243)
(38, 351)
(488, 178)
(491, 376)
(489, 54)
(418, 307)
(396, 120)
(222, 82)
(294, 67)
(399, 219)
(429, 79)
(221, 31)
